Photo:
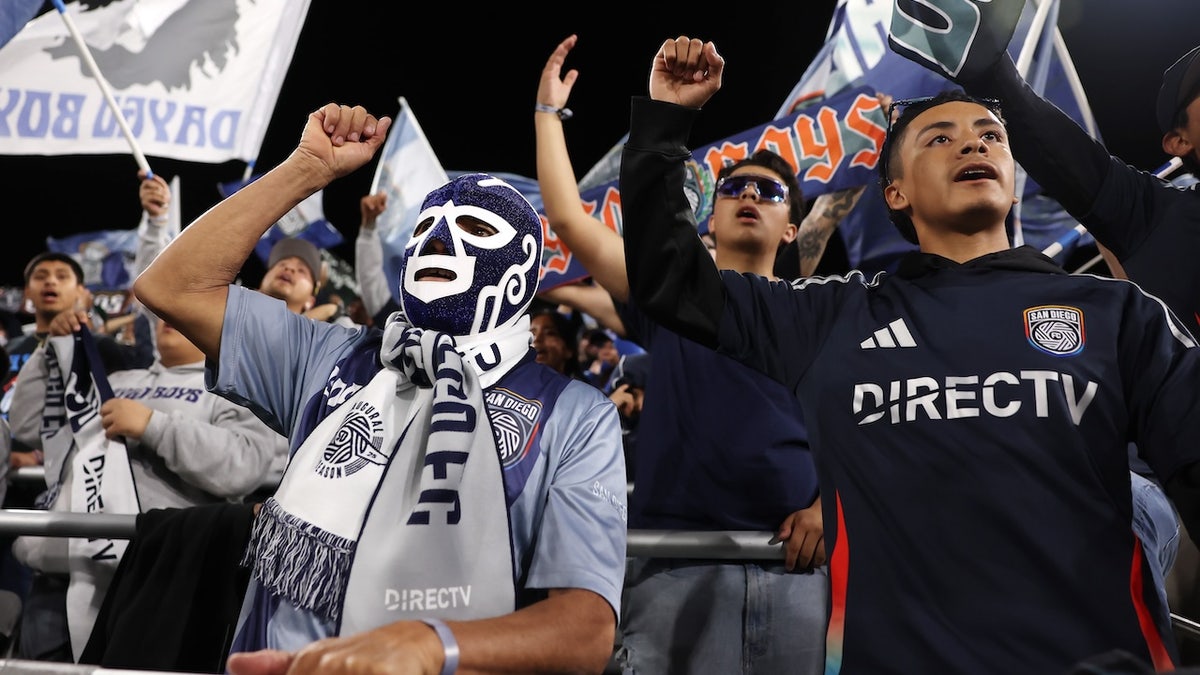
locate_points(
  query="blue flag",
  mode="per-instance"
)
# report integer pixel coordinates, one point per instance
(857, 54)
(14, 14)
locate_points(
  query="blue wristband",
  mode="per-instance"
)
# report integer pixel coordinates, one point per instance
(449, 644)
(563, 113)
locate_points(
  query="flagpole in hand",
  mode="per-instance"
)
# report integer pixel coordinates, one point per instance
(104, 88)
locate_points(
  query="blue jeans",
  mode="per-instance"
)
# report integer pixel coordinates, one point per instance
(1155, 524)
(728, 617)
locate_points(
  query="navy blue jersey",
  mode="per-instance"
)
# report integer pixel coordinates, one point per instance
(970, 426)
(720, 446)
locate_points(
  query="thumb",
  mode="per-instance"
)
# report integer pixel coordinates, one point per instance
(263, 662)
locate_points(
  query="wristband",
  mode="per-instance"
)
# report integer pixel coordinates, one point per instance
(563, 113)
(449, 644)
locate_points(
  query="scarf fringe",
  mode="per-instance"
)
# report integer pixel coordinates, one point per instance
(300, 561)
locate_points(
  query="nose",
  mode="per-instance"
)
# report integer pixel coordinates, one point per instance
(438, 241)
(750, 190)
(974, 145)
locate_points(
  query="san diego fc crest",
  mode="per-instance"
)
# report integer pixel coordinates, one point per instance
(1055, 329)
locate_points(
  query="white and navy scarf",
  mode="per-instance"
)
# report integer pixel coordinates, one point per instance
(100, 478)
(393, 507)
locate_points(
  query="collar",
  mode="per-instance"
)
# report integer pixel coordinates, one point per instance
(1022, 258)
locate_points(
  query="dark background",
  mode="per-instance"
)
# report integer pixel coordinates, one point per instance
(470, 77)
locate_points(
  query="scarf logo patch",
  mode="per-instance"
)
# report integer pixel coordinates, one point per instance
(514, 420)
(1055, 329)
(356, 444)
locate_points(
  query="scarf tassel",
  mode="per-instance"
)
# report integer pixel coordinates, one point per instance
(299, 561)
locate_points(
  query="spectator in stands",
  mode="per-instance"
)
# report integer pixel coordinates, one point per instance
(369, 391)
(186, 446)
(555, 336)
(1148, 230)
(935, 483)
(377, 298)
(720, 446)
(629, 395)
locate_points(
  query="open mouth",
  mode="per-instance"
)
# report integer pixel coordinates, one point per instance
(747, 212)
(976, 172)
(435, 274)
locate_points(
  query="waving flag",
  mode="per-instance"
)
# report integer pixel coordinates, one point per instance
(833, 145)
(196, 80)
(856, 54)
(14, 14)
(408, 169)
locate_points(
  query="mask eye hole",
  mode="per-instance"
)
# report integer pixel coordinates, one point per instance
(475, 227)
(423, 226)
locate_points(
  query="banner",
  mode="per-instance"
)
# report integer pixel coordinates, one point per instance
(833, 145)
(196, 80)
(856, 54)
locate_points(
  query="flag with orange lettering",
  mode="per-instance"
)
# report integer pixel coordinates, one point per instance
(832, 145)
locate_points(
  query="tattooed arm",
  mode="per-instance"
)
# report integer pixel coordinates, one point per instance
(826, 212)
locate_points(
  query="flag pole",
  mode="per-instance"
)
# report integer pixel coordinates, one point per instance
(104, 88)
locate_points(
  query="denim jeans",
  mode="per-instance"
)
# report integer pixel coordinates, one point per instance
(728, 617)
(1155, 524)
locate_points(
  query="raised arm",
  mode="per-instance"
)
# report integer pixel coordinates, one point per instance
(368, 256)
(827, 211)
(188, 283)
(1055, 151)
(598, 248)
(672, 277)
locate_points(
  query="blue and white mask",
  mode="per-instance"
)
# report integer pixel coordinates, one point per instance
(473, 261)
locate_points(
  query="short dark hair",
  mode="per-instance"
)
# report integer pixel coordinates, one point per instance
(888, 164)
(568, 326)
(797, 207)
(56, 257)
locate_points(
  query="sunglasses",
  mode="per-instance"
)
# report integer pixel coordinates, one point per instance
(766, 188)
(894, 111)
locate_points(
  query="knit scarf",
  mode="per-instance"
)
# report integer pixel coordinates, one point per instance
(393, 507)
(100, 479)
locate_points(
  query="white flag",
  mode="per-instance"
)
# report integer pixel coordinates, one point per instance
(196, 80)
(408, 170)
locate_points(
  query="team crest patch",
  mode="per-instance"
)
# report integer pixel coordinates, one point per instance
(355, 444)
(1055, 329)
(514, 420)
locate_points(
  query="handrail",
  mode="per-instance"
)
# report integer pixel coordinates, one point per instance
(37, 474)
(710, 545)
(24, 667)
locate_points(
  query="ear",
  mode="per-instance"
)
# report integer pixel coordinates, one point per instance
(894, 198)
(790, 232)
(1176, 145)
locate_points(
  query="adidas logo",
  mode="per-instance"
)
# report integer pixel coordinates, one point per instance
(895, 334)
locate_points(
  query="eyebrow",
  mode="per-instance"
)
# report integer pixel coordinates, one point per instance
(945, 124)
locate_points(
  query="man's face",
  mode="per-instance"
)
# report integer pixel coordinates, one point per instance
(748, 221)
(551, 347)
(956, 169)
(473, 261)
(289, 280)
(52, 288)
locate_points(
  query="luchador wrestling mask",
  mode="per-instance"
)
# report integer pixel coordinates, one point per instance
(473, 261)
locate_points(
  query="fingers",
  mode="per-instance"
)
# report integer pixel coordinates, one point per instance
(351, 123)
(689, 57)
(264, 662)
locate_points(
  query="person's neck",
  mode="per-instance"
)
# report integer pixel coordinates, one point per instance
(744, 262)
(963, 246)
